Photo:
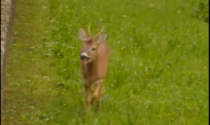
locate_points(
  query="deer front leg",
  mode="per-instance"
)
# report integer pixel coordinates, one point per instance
(98, 93)
(99, 97)
(88, 96)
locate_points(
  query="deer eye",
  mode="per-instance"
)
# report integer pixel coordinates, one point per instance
(93, 49)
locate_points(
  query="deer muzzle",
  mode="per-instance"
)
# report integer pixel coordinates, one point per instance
(84, 56)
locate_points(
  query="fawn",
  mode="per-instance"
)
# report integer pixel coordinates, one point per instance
(94, 56)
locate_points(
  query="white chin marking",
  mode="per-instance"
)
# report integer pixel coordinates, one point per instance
(85, 61)
(84, 54)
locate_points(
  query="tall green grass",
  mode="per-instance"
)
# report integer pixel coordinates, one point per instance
(158, 72)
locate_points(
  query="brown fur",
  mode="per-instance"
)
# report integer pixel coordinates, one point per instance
(95, 68)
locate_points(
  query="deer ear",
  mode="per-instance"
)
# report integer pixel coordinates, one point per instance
(102, 38)
(82, 35)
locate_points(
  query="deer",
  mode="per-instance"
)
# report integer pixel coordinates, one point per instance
(94, 56)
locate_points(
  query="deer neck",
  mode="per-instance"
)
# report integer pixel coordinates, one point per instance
(90, 70)
(92, 67)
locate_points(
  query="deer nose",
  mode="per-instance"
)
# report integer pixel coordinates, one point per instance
(83, 57)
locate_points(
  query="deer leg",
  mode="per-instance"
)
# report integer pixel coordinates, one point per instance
(99, 97)
(97, 93)
(88, 96)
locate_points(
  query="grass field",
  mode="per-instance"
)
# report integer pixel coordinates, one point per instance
(158, 73)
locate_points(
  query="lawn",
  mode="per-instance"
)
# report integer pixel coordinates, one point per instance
(158, 72)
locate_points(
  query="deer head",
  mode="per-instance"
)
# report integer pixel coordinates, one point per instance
(90, 45)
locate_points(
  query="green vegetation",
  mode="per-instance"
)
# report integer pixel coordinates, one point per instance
(158, 73)
(202, 11)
